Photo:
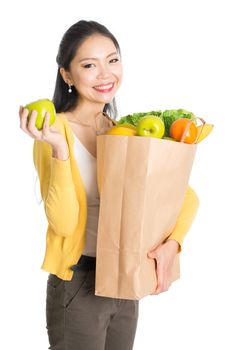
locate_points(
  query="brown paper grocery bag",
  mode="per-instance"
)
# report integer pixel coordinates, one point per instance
(142, 183)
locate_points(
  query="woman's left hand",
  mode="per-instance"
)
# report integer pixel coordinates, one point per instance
(164, 254)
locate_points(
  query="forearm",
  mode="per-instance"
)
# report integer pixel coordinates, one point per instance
(186, 217)
(61, 204)
(57, 187)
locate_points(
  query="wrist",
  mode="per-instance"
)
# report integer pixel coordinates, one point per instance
(60, 152)
(173, 244)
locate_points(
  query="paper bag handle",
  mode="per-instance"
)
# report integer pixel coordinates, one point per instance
(102, 129)
(187, 128)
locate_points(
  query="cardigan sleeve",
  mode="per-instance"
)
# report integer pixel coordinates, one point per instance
(186, 217)
(57, 189)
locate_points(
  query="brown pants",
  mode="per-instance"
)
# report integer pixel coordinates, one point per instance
(79, 320)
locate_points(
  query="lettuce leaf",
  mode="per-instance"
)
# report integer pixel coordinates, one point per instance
(135, 117)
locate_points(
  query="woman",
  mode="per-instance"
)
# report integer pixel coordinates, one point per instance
(89, 75)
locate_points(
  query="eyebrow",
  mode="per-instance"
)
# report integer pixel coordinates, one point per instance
(96, 59)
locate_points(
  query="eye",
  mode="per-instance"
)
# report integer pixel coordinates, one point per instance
(115, 60)
(88, 65)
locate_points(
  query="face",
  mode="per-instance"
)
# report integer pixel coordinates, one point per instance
(96, 70)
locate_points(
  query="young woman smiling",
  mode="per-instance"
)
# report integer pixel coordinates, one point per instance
(89, 75)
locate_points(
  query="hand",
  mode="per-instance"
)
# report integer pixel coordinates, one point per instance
(48, 133)
(164, 255)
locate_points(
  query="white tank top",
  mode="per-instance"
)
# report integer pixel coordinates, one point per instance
(87, 165)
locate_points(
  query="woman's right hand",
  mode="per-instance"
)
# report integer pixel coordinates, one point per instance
(48, 133)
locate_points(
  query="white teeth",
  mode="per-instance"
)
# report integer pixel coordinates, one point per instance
(105, 87)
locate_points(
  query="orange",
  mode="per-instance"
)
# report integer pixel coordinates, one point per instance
(178, 127)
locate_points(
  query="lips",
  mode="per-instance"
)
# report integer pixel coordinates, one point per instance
(104, 88)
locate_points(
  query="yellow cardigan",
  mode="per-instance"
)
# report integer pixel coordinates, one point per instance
(65, 204)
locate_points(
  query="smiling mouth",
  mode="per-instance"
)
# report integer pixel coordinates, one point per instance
(104, 88)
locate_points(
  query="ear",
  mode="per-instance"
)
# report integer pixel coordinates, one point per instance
(66, 76)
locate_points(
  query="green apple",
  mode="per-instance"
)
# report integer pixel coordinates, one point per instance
(42, 106)
(151, 126)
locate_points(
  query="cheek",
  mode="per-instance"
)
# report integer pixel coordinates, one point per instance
(118, 72)
(85, 79)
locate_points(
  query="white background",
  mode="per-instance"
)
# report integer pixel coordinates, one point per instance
(176, 54)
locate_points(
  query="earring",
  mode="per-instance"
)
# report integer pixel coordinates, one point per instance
(69, 89)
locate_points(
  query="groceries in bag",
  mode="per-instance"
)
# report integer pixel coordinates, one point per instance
(175, 124)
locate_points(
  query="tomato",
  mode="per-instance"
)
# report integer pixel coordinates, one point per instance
(178, 127)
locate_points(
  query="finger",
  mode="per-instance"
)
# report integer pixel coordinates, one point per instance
(160, 280)
(20, 110)
(154, 293)
(153, 254)
(161, 290)
(158, 290)
(32, 120)
(23, 118)
(23, 121)
(29, 133)
(164, 286)
(46, 124)
(32, 124)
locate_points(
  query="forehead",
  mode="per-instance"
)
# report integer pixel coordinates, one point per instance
(95, 46)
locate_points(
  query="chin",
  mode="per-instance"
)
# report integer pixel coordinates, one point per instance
(106, 100)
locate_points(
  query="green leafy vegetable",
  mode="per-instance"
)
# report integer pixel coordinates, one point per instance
(168, 116)
(135, 117)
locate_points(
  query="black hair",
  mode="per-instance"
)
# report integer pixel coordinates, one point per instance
(71, 40)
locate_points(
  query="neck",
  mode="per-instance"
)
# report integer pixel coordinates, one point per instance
(85, 113)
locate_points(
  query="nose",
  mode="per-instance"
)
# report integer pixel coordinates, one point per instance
(104, 72)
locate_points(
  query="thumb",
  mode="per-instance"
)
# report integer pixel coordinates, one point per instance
(152, 254)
